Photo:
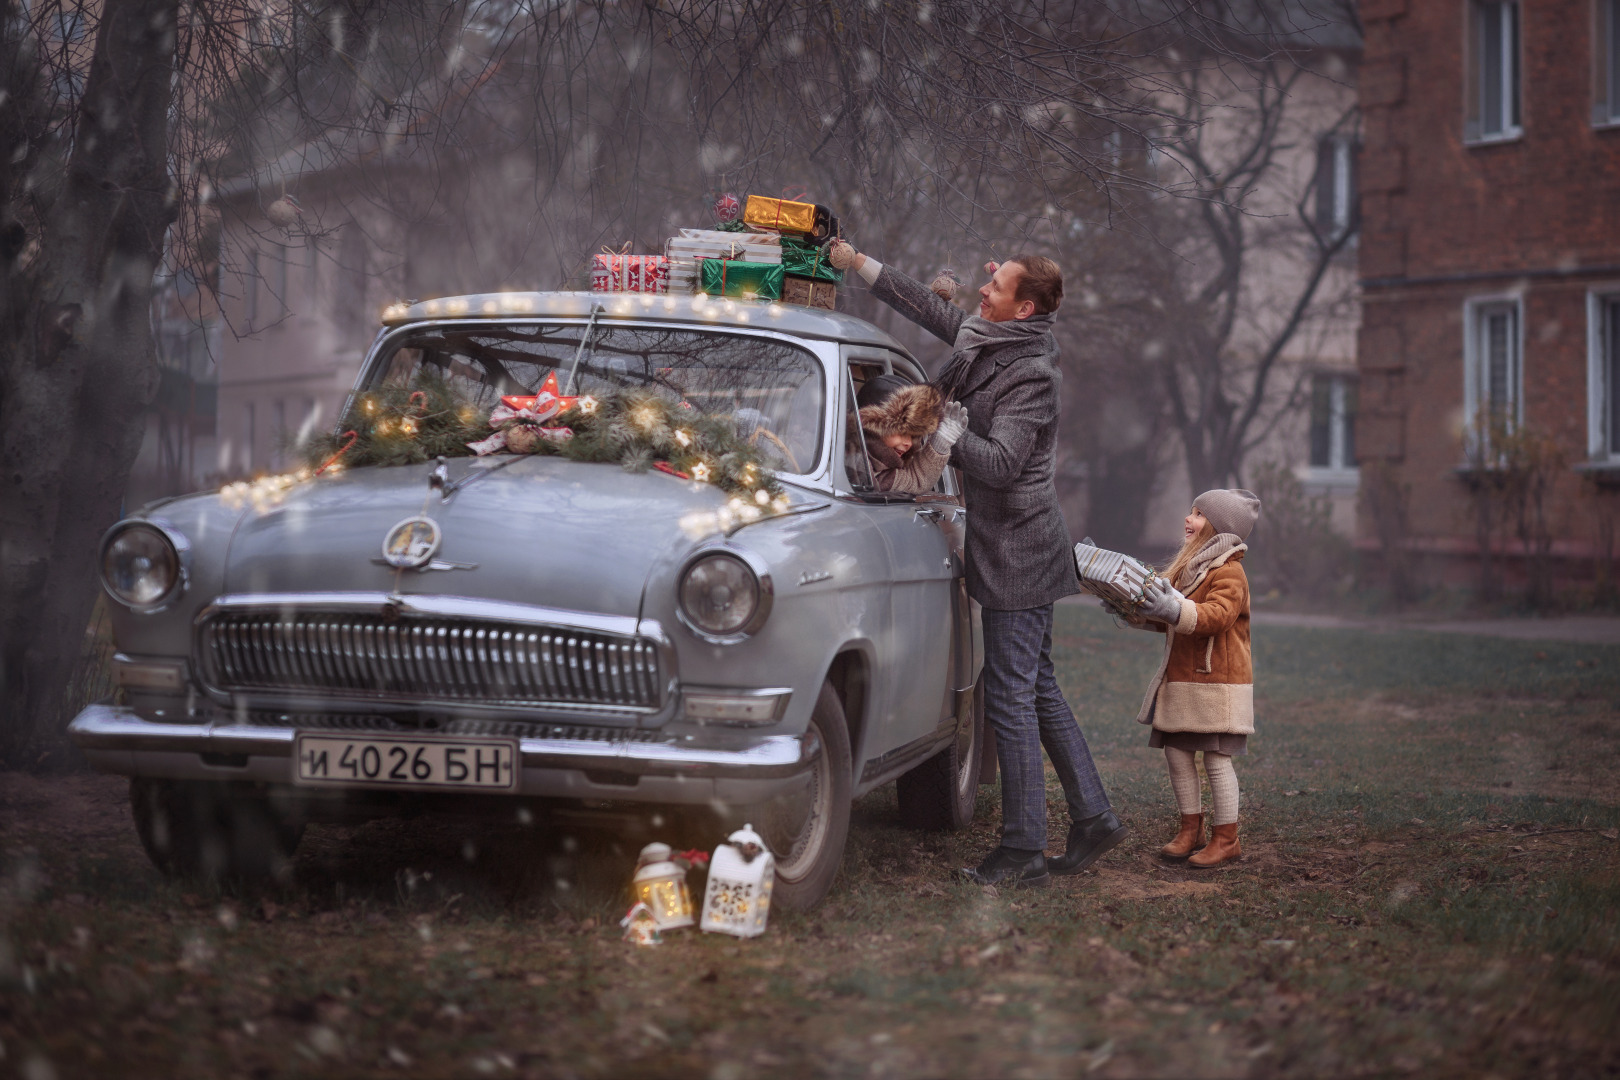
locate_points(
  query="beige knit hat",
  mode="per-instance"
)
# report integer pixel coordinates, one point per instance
(1230, 510)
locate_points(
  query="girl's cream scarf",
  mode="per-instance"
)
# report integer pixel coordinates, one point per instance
(1214, 548)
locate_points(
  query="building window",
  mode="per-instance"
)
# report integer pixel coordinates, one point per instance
(1493, 352)
(278, 283)
(1603, 376)
(1335, 186)
(1606, 63)
(278, 436)
(1493, 51)
(250, 291)
(249, 435)
(1333, 422)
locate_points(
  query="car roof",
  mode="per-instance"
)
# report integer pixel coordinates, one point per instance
(700, 309)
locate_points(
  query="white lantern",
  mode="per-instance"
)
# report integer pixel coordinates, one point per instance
(741, 876)
(660, 883)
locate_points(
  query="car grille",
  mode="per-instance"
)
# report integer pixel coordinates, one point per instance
(428, 660)
(461, 725)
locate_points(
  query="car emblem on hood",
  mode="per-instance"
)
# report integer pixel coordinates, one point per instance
(412, 543)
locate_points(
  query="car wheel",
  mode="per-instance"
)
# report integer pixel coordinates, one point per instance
(940, 794)
(212, 831)
(806, 830)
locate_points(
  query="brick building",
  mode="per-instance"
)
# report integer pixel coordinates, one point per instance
(1490, 264)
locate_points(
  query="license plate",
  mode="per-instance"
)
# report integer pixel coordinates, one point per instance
(405, 762)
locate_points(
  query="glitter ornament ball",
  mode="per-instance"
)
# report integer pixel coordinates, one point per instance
(727, 207)
(946, 284)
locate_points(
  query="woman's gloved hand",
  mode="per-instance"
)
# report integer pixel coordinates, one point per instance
(1162, 603)
(951, 425)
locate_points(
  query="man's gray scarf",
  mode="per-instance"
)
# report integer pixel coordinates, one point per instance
(974, 335)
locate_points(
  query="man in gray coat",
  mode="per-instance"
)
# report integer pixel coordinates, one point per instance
(1019, 559)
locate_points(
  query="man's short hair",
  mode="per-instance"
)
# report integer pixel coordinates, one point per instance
(1040, 281)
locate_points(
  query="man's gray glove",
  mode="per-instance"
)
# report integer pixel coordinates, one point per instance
(1162, 602)
(951, 425)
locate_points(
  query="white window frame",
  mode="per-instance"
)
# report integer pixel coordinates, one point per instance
(1338, 472)
(1509, 63)
(1473, 309)
(1336, 200)
(1599, 394)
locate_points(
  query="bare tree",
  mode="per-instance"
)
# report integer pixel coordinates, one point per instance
(1238, 283)
(86, 179)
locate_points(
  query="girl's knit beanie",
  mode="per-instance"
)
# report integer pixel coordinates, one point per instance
(1230, 510)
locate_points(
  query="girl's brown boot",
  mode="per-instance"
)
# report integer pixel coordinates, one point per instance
(1188, 840)
(1223, 847)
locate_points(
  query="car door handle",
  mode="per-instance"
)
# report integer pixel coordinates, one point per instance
(932, 513)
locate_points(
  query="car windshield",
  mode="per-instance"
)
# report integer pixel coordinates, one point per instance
(772, 388)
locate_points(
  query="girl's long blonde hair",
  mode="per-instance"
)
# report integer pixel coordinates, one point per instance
(1178, 565)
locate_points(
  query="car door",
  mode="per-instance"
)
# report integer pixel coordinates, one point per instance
(918, 659)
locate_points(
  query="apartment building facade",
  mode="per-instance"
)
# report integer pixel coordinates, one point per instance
(1489, 349)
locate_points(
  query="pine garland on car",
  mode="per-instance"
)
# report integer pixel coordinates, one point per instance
(636, 429)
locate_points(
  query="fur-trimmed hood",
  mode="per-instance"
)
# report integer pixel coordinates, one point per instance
(914, 410)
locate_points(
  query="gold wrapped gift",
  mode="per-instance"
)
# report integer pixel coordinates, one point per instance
(783, 214)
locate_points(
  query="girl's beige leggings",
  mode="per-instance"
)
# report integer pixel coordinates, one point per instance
(1223, 784)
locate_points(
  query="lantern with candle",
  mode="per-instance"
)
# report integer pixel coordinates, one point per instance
(660, 883)
(741, 876)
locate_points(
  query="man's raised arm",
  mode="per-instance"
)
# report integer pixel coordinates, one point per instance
(906, 295)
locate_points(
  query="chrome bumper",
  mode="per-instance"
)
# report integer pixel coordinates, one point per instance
(115, 739)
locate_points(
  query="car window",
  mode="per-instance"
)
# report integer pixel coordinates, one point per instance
(772, 388)
(858, 464)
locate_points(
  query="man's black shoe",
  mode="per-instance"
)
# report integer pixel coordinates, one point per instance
(1011, 868)
(1088, 840)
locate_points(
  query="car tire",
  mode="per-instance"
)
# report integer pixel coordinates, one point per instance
(212, 831)
(941, 794)
(806, 835)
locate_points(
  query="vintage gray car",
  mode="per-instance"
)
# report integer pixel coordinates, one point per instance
(556, 632)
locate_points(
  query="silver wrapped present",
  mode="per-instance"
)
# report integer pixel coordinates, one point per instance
(1119, 580)
(687, 251)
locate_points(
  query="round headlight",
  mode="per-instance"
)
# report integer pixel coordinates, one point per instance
(721, 596)
(140, 566)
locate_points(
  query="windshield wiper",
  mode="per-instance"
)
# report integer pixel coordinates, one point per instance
(590, 328)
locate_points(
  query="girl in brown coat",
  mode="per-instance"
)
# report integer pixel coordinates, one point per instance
(1202, 698)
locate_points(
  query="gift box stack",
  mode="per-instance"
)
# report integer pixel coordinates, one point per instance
(750, 261)
(766, 249)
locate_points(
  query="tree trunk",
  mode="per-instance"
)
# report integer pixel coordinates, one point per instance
(77, 366)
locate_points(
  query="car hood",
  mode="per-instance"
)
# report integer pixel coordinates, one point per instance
(537, 530)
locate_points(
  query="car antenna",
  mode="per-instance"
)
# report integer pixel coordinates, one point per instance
(590, 327)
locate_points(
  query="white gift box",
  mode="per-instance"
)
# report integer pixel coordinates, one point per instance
(687, 251)
(1118, 579)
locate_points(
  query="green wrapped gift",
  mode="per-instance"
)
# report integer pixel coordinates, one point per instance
(746, 280)
(804, 259)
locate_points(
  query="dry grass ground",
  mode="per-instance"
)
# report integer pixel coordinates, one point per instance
(1431, 886)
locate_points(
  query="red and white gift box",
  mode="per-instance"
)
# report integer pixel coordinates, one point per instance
(619, 272)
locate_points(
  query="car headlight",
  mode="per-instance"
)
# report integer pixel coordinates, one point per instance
(723, 597)
(141, 565)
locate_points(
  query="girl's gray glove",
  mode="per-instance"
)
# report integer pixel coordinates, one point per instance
(951, 425)
(1162, 603)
